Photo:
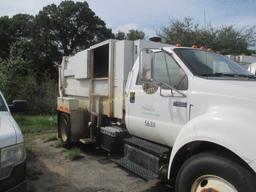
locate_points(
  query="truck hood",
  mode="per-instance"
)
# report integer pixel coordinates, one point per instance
(207, 93)
(10, 133)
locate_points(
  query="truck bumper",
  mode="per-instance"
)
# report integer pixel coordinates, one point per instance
(17, 181)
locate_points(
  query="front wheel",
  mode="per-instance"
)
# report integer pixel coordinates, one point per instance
(213, 172)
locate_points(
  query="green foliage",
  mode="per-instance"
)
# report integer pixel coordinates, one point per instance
(58, 143)
(21, 26)
(135, 34)
(5, 37)
(226, 39)
(74, 153)
(36, 123)
(31, 46)
(120, 35)
(131, 35)
(17, 82)
(51, 137)
(72, 26)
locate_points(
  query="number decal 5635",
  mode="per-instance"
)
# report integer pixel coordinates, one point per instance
(149, 123)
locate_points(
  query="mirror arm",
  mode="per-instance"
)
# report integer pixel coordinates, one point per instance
(171, 88)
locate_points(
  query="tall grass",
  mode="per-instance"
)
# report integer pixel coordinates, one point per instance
(37, 123)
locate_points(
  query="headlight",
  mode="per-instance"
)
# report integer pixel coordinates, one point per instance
(10, 157)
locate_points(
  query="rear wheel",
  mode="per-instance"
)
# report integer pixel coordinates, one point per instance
(212, 172)
(64, 130)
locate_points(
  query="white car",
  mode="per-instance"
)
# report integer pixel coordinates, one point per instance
(13, 156)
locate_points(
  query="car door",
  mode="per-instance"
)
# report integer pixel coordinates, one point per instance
(157, 113)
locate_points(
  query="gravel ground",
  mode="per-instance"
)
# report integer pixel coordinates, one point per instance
(49, 170)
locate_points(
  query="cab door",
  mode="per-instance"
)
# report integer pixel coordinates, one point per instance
(156, 99)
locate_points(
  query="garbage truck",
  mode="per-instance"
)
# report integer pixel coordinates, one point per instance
(182, 114)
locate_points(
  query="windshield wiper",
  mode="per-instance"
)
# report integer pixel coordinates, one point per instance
(227, 75)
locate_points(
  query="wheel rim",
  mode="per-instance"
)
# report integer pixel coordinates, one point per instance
(211, 183)
(64, 135)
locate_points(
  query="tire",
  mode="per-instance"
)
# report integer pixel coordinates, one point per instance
(64, 130)
(211, 171)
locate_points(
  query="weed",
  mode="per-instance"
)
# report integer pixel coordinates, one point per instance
(58, 143)
(50, 137)
(73, 153)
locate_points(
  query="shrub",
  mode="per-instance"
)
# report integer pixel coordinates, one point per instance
(74, 153)
(18, 82)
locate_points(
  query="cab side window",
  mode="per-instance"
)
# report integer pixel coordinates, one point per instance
(167, 71)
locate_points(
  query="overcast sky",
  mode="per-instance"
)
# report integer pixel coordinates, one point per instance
(151, 15)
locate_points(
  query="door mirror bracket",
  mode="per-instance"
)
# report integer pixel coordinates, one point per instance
(172, 92)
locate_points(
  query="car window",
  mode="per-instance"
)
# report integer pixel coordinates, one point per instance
(166, 70)
(2, 104)
(202, 62)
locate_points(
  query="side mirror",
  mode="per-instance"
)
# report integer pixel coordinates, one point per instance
(149, 87)
(18, 106)
(145, 65)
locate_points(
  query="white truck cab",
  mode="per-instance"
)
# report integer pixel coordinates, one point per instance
(184, 114)
(13, 156)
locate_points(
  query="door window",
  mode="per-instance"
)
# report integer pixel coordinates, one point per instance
(166, 70)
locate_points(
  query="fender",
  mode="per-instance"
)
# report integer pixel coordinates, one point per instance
(232, 128)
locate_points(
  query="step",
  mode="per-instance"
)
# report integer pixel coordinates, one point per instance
(87, 140)
(152, 148)
(136, 169)
(142, 158)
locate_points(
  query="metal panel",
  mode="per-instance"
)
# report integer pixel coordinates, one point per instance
(76, 87)
(100, 87)
(77, 65)
(67, 104)
(123, 62)
(81, 70)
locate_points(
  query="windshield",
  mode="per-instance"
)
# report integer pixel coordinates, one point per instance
(2, 104)
(208, 63)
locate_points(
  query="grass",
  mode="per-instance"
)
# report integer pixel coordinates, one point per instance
(51, 137)
(44, 126)
(36, 123)
(58, 143)
(73, 153)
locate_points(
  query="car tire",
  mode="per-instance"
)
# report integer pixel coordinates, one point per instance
(64, 130)
(214, 172)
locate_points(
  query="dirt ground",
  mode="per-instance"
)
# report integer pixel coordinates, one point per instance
(49, 170)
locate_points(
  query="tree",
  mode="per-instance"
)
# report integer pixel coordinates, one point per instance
(5, 37)
(135, 35)
(72, 26)
(131, 35)
(12, 30)
(21, 26)
(182, 32)
(231, 40)
(226, 39)
(120, 35)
